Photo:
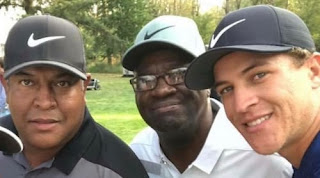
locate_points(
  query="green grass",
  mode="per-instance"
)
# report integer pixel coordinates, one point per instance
(114, 106)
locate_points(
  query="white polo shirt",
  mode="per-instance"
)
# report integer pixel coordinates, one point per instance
(225, 154)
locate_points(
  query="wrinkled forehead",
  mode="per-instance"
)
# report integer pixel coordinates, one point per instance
(44, 70)
(163, 60)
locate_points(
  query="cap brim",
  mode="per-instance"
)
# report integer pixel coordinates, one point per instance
(66, 67)
(9, 142)
(133, 55)
(199, 75)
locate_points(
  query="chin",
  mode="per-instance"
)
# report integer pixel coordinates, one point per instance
(166, 128)
(264, 149)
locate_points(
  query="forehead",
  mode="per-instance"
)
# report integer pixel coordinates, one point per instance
(162, 60)
(44, 71)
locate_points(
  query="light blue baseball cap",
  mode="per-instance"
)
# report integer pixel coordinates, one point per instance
(167, 31)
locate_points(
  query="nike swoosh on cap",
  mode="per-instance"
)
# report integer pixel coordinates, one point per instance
(147, 36)
(33, 43)
(214, 40)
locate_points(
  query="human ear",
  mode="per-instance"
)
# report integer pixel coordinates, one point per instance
(86, 82)
(314, 65)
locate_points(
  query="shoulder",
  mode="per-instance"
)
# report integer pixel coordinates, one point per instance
(264, 165)
(108, 150)
(10, 166)
(146, 145)
(145, 136)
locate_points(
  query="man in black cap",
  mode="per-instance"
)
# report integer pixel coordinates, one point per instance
(263, 64)
(45, 83)
(189, 134)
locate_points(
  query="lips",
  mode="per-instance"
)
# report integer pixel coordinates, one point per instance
(165, 106)
(258, 121)
(43, 124)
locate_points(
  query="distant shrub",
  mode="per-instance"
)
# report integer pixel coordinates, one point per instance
(103, 67)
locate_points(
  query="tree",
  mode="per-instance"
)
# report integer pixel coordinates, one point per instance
(109, 26)
(123, 19)
(30, 6)
(207, 23)
(188, 8)
(308, 10)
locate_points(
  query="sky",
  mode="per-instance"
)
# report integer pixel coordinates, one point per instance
(206, 5)
(9, 18)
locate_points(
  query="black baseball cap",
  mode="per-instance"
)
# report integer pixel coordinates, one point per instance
(44, 40)
(260, 29)
(9, 142)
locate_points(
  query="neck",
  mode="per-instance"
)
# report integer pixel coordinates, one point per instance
(294, 152)
(36, 157)
(184, 149)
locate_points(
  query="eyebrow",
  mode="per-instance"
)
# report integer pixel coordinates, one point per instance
(144, 73)
(20, 73)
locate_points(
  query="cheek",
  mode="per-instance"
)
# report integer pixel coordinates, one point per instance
(19, 101)
(141, 103)
(70, 102)
(227, 104)
(141, 98)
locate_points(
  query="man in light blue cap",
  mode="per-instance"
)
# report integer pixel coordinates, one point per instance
(188, 134)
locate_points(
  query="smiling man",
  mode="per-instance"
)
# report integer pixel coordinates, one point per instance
(45, 83)
(189, 134)
(263, 64)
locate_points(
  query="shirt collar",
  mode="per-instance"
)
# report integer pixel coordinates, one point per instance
(222, 135)
(310, 162)
(72, 152)
(21, 159)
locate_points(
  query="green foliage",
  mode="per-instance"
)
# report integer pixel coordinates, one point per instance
(308, 11)
(109, 27)
(103, 67)
(29, 6)
(207, 23)
(114, 106)
(187, 8)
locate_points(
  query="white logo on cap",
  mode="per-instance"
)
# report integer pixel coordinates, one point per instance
(215, 40)
(33, 43)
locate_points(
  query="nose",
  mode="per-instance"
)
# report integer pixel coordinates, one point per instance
(163, 89)
(244, 99)
(45, 98)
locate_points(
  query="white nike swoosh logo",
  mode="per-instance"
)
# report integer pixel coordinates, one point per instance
(33, 43)
(215, 40)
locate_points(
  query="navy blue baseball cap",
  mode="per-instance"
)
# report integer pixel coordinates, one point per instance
(260, 29)
(44, 40)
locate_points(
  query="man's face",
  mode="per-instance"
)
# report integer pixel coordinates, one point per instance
(167, 108)
(267, 98)
(47, 106)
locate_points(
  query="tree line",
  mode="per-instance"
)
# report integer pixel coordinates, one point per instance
(109, 27)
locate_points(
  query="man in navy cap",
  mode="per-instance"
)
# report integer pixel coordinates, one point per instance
(262, 62)
(45, 83)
